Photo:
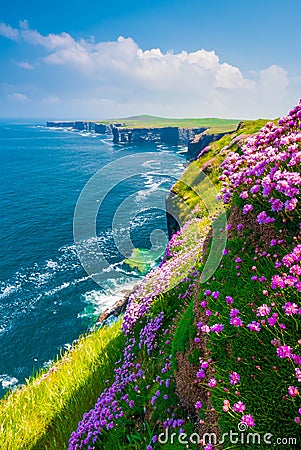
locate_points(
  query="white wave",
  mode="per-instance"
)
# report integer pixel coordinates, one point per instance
(100, 300)
(9, 289)
(7, 381)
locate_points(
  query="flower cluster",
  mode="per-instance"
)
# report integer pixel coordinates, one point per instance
(267, 170)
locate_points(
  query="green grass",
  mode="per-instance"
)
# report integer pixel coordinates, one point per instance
(145, 121)
(264, 376)
(44, 412)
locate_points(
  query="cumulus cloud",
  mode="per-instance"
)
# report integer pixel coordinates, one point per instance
(8, 32)
(120, 74)
(25, 65)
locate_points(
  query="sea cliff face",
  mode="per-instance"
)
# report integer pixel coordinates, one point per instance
(199, 144)
(80, 125)
(164, 135)
(197, 139)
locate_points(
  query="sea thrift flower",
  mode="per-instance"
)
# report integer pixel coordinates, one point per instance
(234, 312)
(263, 310)
(198, 405)
(239, 407)
(229, 300)
(248, 420)
(247, 208)
(217, 328)
(293, 391)
(254, 326)
(290, 308)
(236, 321)
(201, 374)
(273, 319)
(284, 351)
(212, 382)
(226, 406)
(234, 378)
(298, 374)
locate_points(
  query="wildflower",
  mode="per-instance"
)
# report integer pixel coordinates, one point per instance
(234, 312)
(284, 351)
(217, 328)
(247, 208)
(298, 375)
(229, 300)
(198, 405)
(236, 321)
(239, 407)
(215, 294)
(290, 308)
(293, 391)
(201, 374)
(248, 420)
(273, 319)
(263, 310)
(212, 382)
(254, 326)
(234, 378)
(226, 406)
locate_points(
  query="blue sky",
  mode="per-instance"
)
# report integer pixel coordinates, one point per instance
(172, 58)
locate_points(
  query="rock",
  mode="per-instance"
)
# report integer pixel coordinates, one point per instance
(199, 144)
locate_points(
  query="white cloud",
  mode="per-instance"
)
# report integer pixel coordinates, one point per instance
(121, 78)
(8, 32)
(18, 96)
(273, 79)
(25, 65)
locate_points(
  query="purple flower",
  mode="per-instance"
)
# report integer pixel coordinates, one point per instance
(247, 208)
(263, 310)
(263, 218)
(217, 328)
(284, 351)
(198, 405)
(293, 391)
(239, 407)
(254, 326)
(201, 374)
(248, 420)
(215, 294)
(290, 308)
(234, 378)
(273, 319)
(236, 321)
(212, 382)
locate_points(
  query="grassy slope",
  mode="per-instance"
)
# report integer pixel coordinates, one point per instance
(145, 121)
(43, 413)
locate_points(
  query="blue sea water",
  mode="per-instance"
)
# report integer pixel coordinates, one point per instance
(46, 298)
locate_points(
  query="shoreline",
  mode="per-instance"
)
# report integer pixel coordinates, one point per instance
(111, 314)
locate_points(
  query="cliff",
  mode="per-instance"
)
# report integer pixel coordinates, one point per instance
(163, 135)
(80, 125)
(129, 132)
(199, 144)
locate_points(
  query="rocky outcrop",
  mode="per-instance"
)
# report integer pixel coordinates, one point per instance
(81, 125)
(101, 128)
(198, 145)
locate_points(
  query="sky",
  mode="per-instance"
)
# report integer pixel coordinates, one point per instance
(188, 58)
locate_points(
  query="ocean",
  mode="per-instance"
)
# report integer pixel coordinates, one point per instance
(47, 299)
